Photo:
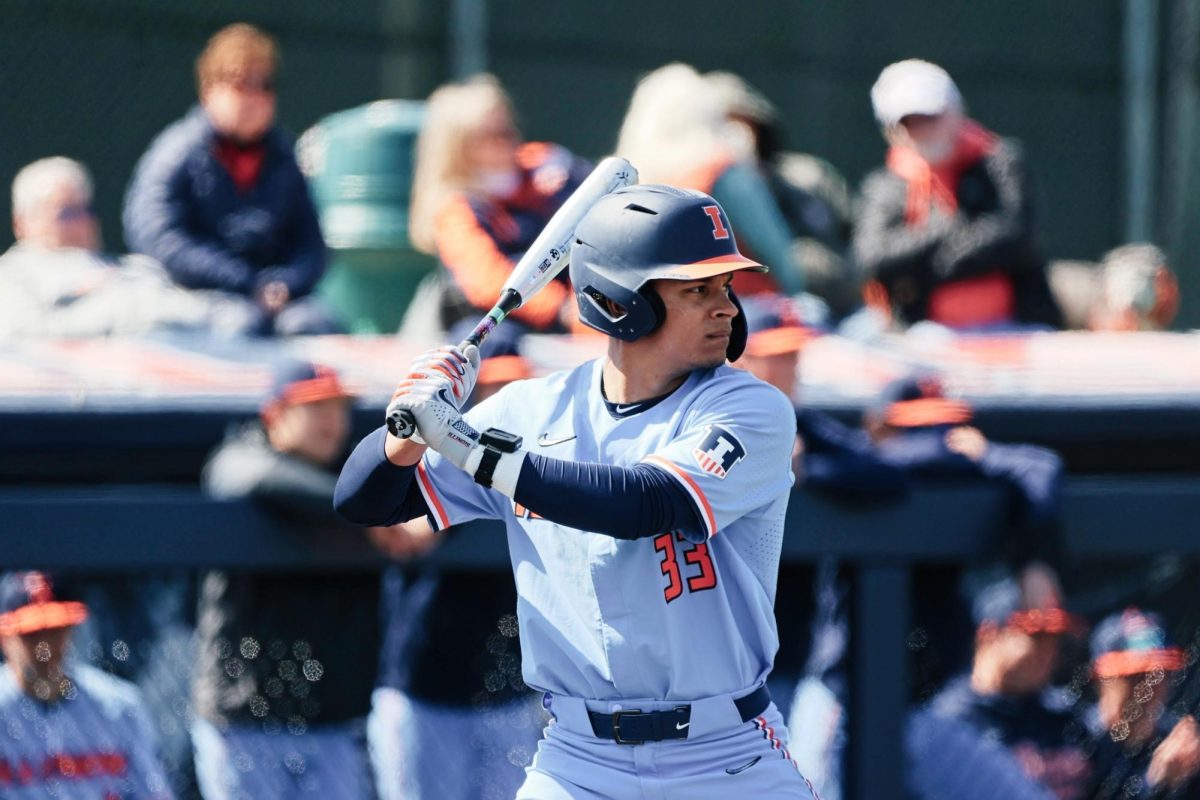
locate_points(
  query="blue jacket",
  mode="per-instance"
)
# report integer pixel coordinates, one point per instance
(1037, 729)
(1033, 474)
(182, 208)
(843, 460)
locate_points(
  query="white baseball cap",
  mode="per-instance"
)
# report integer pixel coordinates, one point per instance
(912, 86)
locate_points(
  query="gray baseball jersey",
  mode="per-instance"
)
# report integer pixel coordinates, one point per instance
(662, 618)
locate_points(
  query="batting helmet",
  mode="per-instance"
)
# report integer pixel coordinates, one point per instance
(644, 233)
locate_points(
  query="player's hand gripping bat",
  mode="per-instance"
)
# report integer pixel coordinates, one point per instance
(544, 259)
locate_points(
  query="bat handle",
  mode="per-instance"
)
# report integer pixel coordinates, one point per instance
(400, 421)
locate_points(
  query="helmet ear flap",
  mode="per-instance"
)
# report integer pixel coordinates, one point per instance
(741, 332)
(656, 306)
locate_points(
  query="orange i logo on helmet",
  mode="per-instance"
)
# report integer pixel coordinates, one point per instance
(719, 229)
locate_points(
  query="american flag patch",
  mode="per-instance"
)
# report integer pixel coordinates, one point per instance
(718, 451)
(708, 464)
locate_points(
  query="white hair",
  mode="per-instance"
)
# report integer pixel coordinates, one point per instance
(675, 124)
(37, 181)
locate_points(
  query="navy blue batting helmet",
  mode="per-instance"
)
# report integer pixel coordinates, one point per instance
(651, 232)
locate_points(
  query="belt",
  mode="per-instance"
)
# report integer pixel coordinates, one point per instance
(636, 727)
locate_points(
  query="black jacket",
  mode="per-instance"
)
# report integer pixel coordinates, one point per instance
(278, 648)
(995, 229)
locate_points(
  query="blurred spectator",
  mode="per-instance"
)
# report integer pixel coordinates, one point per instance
(287, 661)
(56, 280)
(480, 197)
(453, 719)
(812, 195)
(678, 131)
(1006, 696)
(1076, 288)
(219, 199)
(1131, 289)
(69, 729)
(1141, 751)
(1140, 293)
(947, 231)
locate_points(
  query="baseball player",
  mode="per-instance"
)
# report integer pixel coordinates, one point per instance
(643, 496)
(69, 730)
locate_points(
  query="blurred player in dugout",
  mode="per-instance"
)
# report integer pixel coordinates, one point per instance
(287, 661)
(69, 729)
(911, 432)
(481, 196)
(1006, 695)
(1141, 750)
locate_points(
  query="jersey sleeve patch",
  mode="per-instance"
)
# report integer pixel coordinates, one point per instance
(718, 452)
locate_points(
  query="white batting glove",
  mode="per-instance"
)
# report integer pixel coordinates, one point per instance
(439, 425)
(460, 368)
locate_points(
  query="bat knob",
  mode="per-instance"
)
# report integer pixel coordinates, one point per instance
(400, 423)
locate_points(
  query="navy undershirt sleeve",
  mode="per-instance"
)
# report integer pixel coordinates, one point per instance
(622, 502)
(373, 491)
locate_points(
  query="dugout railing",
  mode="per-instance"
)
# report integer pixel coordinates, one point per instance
(140, 527)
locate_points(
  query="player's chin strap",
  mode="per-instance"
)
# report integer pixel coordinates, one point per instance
(495, 463)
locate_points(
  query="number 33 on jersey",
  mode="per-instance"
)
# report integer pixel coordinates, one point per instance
(682, 614)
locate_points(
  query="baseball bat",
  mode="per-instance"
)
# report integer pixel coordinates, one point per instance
(542, 262)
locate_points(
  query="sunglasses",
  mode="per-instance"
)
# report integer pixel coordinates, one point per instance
(76, 212)
(248, 85)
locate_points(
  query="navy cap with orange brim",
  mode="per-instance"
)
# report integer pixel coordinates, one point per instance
(918, 401)
(706, 268)
(1003, 604)
(1134, 642)
(299, 382)
(29, 602)
(774, 326)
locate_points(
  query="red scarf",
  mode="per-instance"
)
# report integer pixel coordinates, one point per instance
(930, 184)
(968, 302)
(243, 162)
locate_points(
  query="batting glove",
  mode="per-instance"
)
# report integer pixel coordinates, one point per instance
(439, 424)
(460, 368)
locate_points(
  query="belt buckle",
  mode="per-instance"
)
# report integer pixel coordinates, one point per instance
(616, 726)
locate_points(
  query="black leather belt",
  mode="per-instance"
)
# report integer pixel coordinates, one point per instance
(636, 727)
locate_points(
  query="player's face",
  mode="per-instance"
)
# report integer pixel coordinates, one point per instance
(1028, 659)
(699, 322)
(37, 658)
(1137, 700)
(315, 432)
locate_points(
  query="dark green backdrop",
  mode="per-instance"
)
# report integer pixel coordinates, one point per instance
(96, 80)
